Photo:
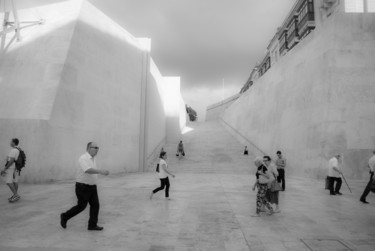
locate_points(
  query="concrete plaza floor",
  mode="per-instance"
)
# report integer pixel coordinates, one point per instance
(210, 209)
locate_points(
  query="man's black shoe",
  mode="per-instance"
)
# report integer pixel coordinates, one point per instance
(363, 201)
(96, 228)
(62, 221)
(332, 194)
(338, 193)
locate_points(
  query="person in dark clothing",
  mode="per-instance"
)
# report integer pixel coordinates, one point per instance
(371, 165)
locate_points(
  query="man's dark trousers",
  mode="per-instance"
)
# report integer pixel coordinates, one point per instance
(85, 194)
(332, 189)
(281, 177)
(367, 189)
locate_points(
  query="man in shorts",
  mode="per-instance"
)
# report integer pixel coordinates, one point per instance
(10, 173)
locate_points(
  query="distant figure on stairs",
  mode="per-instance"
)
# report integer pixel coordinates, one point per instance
(180, 150)
(246, 152)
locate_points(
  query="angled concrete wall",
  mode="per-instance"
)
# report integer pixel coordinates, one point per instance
(214, 111)
(156, 124)
(318, 100)
(78, 78)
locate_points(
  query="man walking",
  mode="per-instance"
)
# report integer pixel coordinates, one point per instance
(334, 174)
(9, 172)
(86, 190)
(371, 165)
(281, 164)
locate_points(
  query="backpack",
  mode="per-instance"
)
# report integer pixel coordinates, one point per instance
(157, 168)
(21, 160)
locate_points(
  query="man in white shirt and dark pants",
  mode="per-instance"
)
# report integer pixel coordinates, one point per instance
(86, 190)
(334, 174)
(371, 165)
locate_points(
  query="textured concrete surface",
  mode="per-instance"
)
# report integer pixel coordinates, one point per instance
(210, 209)
(318, 99)
(77, 78)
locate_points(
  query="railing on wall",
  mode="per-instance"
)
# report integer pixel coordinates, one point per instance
(154, 155)
(238, 133)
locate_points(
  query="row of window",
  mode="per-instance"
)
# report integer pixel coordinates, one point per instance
(359, 6)
(295, 30)
(301, 24)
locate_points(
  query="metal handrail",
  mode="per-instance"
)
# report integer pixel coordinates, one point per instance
(243, 136)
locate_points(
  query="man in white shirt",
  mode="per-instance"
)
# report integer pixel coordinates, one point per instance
(281, 164)
(334, 174)
(9, 172)
(371, 165)
(86, 190)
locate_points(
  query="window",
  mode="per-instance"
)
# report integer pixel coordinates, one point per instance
(371, 5)
(354, 6)
(359, 6)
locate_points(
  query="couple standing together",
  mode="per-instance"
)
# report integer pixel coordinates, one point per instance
(267, 177)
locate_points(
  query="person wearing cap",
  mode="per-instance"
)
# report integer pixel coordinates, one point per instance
(334, 175)
(371, 165)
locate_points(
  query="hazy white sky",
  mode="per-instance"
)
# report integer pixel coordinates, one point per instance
(202, 41)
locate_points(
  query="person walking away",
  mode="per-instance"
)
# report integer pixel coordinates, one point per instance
(263, 179)
(273, 195)
(163, 176)
(334, 175)
(10, 173)
(280, 165)
(371, 165)
(86, 188)
(180, 150)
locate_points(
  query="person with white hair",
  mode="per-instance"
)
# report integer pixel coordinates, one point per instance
(263, 178)
(334, 175)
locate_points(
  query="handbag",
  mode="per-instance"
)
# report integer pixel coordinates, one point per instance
(157, 168)
(275, 186)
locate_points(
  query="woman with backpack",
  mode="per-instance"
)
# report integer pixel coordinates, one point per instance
(163, 176)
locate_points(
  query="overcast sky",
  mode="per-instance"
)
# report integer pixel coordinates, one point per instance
(202, 41)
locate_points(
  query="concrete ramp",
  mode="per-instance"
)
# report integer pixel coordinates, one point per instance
(209, 148)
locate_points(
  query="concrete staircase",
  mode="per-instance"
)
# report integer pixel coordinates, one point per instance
(209, 148)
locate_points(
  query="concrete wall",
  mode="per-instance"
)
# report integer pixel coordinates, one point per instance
(318, 99)
(78, 78)
(214, 111)
(172, 106)
(156, 129)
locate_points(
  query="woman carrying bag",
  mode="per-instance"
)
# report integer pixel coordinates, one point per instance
(273, 191)
(263, 179)
(163, 176)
